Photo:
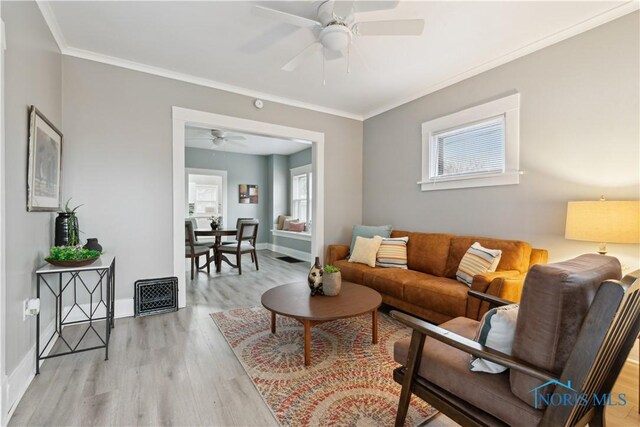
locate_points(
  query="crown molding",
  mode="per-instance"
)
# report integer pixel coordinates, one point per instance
(52, 23)
(586, 25)
(200, 81)
(603, 18)
(65, 49)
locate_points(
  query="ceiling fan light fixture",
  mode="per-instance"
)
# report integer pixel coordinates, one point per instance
(335, 37)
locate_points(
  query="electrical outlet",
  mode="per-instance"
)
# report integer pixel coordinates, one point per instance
(31, 308)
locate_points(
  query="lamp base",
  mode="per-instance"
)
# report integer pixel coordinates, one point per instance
(602, 249)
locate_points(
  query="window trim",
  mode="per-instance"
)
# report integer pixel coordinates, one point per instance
(509, 108)
(301, 170)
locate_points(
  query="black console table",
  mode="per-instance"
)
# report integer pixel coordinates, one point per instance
(99, 305)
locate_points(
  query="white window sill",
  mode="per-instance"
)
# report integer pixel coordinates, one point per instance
(508, 178)
(299, 235)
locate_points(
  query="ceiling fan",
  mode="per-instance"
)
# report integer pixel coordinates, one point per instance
(337, 24)
(220, 138)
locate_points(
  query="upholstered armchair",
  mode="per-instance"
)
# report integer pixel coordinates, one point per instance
(575, 328)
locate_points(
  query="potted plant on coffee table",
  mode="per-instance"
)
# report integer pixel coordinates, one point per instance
(331, 280)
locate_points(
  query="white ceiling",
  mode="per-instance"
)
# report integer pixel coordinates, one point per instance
(222, 44)
(252, 144)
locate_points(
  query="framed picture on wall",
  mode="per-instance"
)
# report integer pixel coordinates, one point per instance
(248, 193)
(44, 171)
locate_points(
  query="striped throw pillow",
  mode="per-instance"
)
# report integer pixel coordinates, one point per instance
(496, 331)
(392, 253)
(477, 260)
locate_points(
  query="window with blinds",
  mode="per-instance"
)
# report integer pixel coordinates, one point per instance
(474, 149)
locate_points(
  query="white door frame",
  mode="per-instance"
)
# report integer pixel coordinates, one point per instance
(212, 172)
(183, 117)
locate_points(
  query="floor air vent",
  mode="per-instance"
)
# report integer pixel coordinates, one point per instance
(154, 296)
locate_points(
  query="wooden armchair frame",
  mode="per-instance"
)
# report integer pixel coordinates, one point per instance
(603, 344)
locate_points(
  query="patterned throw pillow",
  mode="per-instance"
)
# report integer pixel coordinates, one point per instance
(495, 331)
(392, 253)
(477, 260)
(365, 250)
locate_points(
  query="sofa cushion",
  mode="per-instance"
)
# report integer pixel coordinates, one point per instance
(426, 252)
(448, 368)
(554, 304)
(391, 281)
(515, 254)
(351, 271)
(439, 294)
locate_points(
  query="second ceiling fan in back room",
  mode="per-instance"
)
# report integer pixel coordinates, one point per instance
(218, 137)
(337, 24)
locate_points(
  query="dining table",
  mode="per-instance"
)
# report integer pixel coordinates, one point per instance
(218, 234)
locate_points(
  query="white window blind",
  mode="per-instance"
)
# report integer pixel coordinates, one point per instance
(473, 149)
(301, 191)
(206, 199)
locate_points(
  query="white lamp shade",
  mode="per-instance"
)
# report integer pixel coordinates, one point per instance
(605, 221)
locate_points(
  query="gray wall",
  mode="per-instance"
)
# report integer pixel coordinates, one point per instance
(279, 180)
(578, 140)
(118, 156)
(301, 158)
(33, 75)
(241, 169)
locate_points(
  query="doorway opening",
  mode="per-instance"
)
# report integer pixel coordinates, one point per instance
(206, 195)
(308, 201)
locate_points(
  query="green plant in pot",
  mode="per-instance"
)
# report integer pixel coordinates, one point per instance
(67, 230)
(331, 280)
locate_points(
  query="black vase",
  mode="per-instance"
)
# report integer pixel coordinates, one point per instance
(67, 230)
(93, 245)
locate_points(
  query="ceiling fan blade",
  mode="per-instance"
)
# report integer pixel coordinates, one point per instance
(289, 18)
(370, 6)
(343, 8)
(235, 138)
(406, 27)
(302, 56)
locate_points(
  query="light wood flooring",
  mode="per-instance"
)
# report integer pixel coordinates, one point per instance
(177, 369)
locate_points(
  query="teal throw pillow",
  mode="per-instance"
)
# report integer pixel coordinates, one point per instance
(368, 232)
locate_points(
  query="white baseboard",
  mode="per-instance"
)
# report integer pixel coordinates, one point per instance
(304, 256)
(19, 380)
(262, 246)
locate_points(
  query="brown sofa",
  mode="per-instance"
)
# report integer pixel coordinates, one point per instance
(429, 288)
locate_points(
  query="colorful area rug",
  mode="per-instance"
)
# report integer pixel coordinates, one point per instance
(349, 382)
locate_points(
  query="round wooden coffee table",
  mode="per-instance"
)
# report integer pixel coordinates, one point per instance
(294, 300)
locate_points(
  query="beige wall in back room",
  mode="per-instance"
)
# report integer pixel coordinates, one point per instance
(579, 139)
(118, 159)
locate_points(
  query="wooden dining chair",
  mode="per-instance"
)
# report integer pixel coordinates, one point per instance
(235, 242)
(245, 244)
(193, 250)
